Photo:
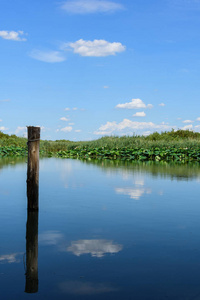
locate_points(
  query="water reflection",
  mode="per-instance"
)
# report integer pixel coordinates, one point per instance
(97, 248)
(32, 253)
(173, 170)
(50, 237)
(149, 247)
(86, 288)
(94, 247)
(133, 193)
(11, 161)
(10, 258)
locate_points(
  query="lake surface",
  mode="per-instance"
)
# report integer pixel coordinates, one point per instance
(106, 230)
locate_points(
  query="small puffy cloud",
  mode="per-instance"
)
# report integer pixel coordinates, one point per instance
(188, 121)
(187, 127)
(66, 129)
(12, 35)
(134, 104)
(198, 119)
(64, 119)
(146, 133)
(48, 56)
(74, 108)
(2, 128)
(139, 114)
(42, 128)
(162, 104)
(91, 6)
(67, 108)
(197, 126)
(126, 124)
(1, 120)
(21, 130)
(78, 130)
(106, 87)
(97, 248)
(96, 48)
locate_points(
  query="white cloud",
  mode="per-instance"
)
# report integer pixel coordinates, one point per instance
(187, 127)
(74, 108)
(1, 120)
(111, 127)
(78, 130)
(12, 35)
(48, 56)
(162, 104)
(66, 129)
(20, 130)
(139, 114)
(64, 119)
(133, 193)
(91, 6)
(197, 126)
(106, 87)
(134, 104)
(2, 128)
(198, 119)
(97, 48)
(50, 237)
(188, 121)
(146, 133)
(97, 248)
(42, 128)
(67, 108)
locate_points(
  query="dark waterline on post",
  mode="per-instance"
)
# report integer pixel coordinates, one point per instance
(33, 167)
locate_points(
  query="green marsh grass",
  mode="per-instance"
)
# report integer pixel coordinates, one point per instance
(179, 146)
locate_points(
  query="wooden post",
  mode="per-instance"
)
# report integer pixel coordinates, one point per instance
(33, 167)
(32, 252)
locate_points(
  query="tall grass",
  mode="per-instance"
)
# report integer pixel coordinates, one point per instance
(181, 139)
(178, 139)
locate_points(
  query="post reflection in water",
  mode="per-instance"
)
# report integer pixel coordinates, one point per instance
(32, 252)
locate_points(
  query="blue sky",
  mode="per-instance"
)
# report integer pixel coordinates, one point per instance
(82, 69)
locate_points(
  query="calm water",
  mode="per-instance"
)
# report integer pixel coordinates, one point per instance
(106, 230)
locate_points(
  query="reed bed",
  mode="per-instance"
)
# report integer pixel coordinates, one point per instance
(181, 145)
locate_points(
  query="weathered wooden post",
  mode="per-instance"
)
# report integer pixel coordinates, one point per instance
(33, 167)
(32, 252)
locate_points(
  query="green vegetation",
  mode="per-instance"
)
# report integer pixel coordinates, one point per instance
(178, 146)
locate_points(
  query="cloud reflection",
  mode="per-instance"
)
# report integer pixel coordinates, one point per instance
(10, 258)
(85, 288)
(51, 237)
(133, 193)
(97, 248)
